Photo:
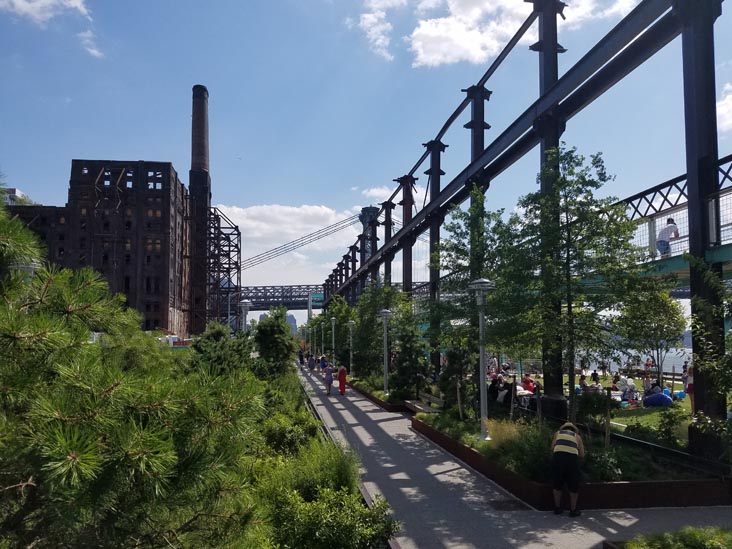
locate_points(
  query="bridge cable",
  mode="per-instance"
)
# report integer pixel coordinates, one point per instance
(300, 242)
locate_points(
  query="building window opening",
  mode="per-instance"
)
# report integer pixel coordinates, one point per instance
(61, 237)
(158, 214)
(82, 225)
(105, 226)
(157, 245)
(61, 220)
(127, 259)
(61, 252)
(128, 184)
(149, 212)
(105, 259)
(82, 211)
(128, 244)
(128, 225)
(82, 243)
(149, 245)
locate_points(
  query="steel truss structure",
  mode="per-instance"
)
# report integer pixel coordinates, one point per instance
(647, 29)
(223, 262)
(261, 298)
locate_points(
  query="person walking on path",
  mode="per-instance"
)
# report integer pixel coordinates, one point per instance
(342, 379)
(665, 235)
(328, 377)
(567, 450)
(301, 358)
(323, 363)
(311, 364)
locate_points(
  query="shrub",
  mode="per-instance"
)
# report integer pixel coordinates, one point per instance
(335, 518)
(670, 423)
(592, 408)
(522, 447)
(686, 538)
(602, 465)
(286, 434)
(641, 432)
(317, 465)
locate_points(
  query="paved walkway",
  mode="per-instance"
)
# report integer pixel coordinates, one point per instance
(441, 502)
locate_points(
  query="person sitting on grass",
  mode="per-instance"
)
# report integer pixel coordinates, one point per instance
(583, 383)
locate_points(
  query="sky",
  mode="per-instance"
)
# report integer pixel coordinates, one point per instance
(315, 106)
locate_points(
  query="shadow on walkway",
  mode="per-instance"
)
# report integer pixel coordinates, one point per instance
(443, 503)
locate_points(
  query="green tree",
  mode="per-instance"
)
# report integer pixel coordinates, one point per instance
(275, 341)
(410, 364)
(368, 349)
(652, 323)
(594, 267)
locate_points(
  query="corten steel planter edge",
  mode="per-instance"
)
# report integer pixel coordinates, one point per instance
(395, 408)
(595, 495)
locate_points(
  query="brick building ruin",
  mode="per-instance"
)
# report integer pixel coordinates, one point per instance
(173, 256)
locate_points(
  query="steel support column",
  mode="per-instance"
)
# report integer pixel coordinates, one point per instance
(435, 173)
(548, 127)
(697, 43)
(477, 95)
(362, 261)
(388, 226)
(373, 246)
(354, 284)
(407, 203)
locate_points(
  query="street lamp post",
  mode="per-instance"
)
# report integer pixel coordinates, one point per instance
(481, 287)
(350, 347)
(385, 314)
(244, 306)
(322, 338)
(332, 337)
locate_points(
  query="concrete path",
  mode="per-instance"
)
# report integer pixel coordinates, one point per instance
(441, 502)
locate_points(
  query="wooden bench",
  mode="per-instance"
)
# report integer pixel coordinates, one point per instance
(424, 404)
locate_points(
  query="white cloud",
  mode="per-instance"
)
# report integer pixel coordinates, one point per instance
(378, 31)
(266, 227)
(381, 5)
(452, 31)
(724, 110)
(383, 192)
(89, 42)
(42, 11)
(380, 194)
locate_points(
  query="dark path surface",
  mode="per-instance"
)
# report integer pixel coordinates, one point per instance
(443, 503)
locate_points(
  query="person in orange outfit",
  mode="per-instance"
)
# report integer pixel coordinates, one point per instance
(342, 379)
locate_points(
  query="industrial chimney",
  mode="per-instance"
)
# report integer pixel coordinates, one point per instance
(199, 182)
(199, 130)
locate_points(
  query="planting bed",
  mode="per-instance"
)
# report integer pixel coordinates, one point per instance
(593, 495)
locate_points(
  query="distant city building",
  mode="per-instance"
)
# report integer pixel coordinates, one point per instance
(13, 196)
(293, 324)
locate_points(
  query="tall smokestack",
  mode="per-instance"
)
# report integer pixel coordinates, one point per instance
(199, 182)
(199, 129)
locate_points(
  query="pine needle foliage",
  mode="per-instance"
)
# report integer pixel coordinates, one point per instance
(124, 442)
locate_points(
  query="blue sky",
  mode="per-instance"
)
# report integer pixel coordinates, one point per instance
(315, 105)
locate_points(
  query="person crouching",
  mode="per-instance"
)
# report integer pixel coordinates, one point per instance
(567, 450)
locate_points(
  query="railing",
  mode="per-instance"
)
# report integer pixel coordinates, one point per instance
(669, 199)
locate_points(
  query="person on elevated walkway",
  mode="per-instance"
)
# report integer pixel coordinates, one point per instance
(665, 235)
